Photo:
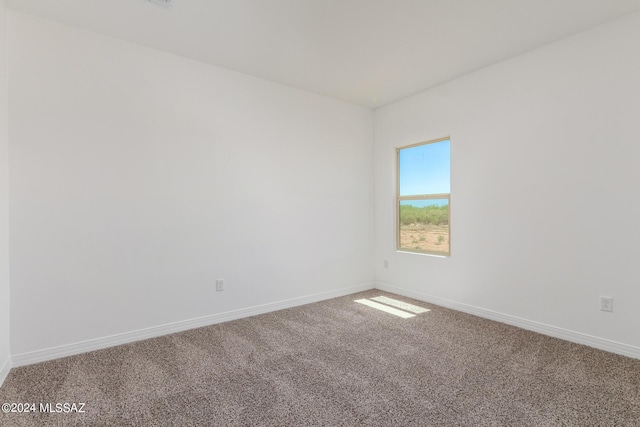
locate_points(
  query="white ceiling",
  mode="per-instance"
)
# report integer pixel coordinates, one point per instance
(370, 52)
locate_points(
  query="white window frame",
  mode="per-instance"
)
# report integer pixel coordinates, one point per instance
(419, 197)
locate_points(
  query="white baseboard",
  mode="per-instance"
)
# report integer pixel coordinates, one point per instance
(38, 356)
(4, 370)
(553, 331)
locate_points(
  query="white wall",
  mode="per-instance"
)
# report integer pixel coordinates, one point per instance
(4, 202)
(138, 178)
(545, 200)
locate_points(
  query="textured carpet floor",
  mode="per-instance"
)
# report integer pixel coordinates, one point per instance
(338, 363)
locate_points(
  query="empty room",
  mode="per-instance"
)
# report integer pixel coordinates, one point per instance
(299, 213)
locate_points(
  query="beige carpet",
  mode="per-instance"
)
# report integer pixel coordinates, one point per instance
(337, 363)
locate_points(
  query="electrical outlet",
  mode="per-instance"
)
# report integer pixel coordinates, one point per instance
(219, 285)
(606, 304)
(386, 264)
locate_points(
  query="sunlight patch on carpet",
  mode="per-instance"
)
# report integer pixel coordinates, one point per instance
(400, 304)
(385, 308)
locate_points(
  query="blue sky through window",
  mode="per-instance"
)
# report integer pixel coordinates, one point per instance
(425, 169)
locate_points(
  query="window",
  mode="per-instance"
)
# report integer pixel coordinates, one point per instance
(423, 198)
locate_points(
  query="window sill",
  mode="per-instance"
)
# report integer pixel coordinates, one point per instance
(423, 254)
